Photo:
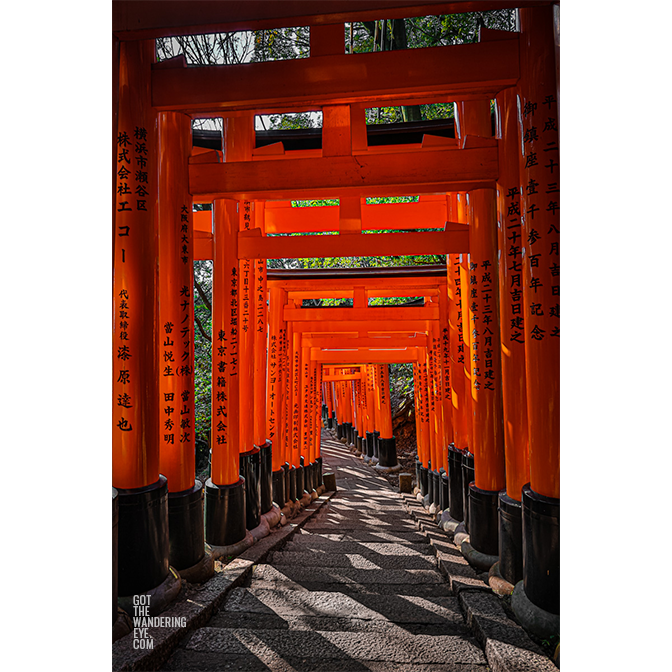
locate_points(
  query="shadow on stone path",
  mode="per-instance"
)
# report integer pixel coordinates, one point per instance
(357, 588)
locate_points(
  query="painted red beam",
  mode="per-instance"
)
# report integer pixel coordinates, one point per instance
(133, 20)
(364, 356)
(338, 176)
(374, 314)
(352, 245)
(443, 73)
(430, 212)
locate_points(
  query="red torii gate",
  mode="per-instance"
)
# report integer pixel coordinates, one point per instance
(154, 186)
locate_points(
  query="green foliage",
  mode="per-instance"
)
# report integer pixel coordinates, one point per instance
(202, 348)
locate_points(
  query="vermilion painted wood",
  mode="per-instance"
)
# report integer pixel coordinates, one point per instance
(541, 282)
(132, 20)
(135, 423)
(275, 377)
(456, 72)
(365, 355)
(176, 347)
(374, 314)
(225, 343)
(398, 174)
(253, 246)
(514, 386)
(259, 326)
(484, 341)
(429, 212)
(385, 403)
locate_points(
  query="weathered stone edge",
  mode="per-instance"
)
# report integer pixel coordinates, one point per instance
(166, 640)
(485, 623)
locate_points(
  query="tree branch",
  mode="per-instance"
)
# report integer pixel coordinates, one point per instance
(200, 328)
(203, 295)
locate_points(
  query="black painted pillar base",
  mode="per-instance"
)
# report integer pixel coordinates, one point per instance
(455, 492)
(355, 437)
(436, 488)
(359, 444)
(444, 498)
(510, 538)
(418, 464)
(387, 452)
(310, 477)
(325, 411)
(225, 513)
(266, 476)
(541, 549)
(143, 543)
(285, 469)
(185, 526)
(483, 520)
(292, 484)
(330, 423)
(339, 430)
(250, 470)
(320, 480)
(430, 483)
(376, 447)
(468, 475)
(279, 496)
(348, 432)
(115, 552)
(369, 446)
(424, 481)
(300, 480)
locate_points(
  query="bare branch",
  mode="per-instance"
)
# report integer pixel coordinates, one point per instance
(200, 328)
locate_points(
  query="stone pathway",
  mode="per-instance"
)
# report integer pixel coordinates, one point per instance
(357, 588)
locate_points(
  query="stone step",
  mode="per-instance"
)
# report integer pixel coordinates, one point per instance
(197, 661)
(437, 610)
(344, 649)
(358, 589)
(362, 560)
(395, 536)
(317, 544)
(345, 575)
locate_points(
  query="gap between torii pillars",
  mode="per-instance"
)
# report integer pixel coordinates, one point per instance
(176, 343)
(225, 490)
(473, 117)
(538, 125)
(143, 544)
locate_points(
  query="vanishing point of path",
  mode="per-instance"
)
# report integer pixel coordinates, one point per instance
(357, 588)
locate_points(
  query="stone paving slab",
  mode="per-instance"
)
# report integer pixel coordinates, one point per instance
(194, 661)
(338, 646)
(507, 646)
(345, 575)
(419, 589)
(252, 621)
(329, 604)
(363, 559)
(302, 543)
(199, 603)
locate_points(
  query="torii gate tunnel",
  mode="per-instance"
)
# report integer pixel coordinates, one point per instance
(483, 340)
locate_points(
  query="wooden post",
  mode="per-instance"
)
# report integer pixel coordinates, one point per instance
(225, 510)
(143, 558)
(176, 343)
(512, 332)
(540, 178)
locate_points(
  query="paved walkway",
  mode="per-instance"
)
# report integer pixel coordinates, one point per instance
(357, 588)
